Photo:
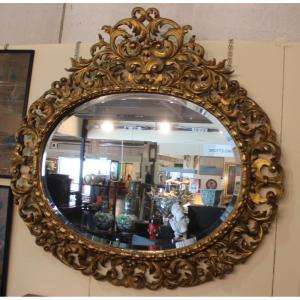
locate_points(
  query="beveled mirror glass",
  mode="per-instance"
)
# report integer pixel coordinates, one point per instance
(147, 167)
(141, 171)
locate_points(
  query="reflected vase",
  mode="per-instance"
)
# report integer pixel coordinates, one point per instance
(103, 220)
(126, 222)
(132, 198)
(164, 204)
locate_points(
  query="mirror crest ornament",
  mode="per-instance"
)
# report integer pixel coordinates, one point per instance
(149, 54)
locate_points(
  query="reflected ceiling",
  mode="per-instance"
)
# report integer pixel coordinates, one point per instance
(140, 108)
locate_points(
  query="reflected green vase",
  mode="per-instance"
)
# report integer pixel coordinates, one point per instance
(103, 220)
(126, 222)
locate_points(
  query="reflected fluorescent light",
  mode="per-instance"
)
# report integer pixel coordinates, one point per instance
(221, 131)
(164, 127)
(107, 126)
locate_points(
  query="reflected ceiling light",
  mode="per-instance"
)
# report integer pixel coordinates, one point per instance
(107, 126)
(221, 131)
(164, 127)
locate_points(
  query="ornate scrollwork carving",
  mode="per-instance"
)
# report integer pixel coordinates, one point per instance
(147, 53)
(149, 50)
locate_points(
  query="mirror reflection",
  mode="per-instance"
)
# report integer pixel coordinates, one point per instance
(142, 171)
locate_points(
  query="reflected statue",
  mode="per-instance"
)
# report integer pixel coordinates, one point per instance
(179, 222)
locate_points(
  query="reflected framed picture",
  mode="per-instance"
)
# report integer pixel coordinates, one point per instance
(15, 76)
(114, 167)
(5, 228)
(187, 162)
(229, 179)
(128, 171)
(152, 152)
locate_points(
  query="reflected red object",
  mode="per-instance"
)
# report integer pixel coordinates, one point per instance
(153, 229)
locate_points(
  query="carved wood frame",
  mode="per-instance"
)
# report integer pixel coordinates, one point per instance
(149, 54)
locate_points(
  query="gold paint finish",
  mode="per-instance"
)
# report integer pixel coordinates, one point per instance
(147, 53)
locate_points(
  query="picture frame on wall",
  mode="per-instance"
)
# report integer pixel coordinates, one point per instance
(6, 206)
(15, 77)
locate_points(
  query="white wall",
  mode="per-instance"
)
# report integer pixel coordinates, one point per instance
(42, 23)
(30, 23)
(209, 21)
(287, 267)
(259, 68)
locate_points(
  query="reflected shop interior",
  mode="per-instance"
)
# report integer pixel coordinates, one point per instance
(142, 171)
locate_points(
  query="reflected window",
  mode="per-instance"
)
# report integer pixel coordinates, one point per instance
(70, 166)
(99, 166)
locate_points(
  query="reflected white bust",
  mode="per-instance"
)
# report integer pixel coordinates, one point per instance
(179, 222)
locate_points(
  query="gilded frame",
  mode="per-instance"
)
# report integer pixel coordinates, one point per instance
(142, 55)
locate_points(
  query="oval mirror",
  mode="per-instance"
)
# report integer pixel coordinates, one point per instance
(142, 171)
